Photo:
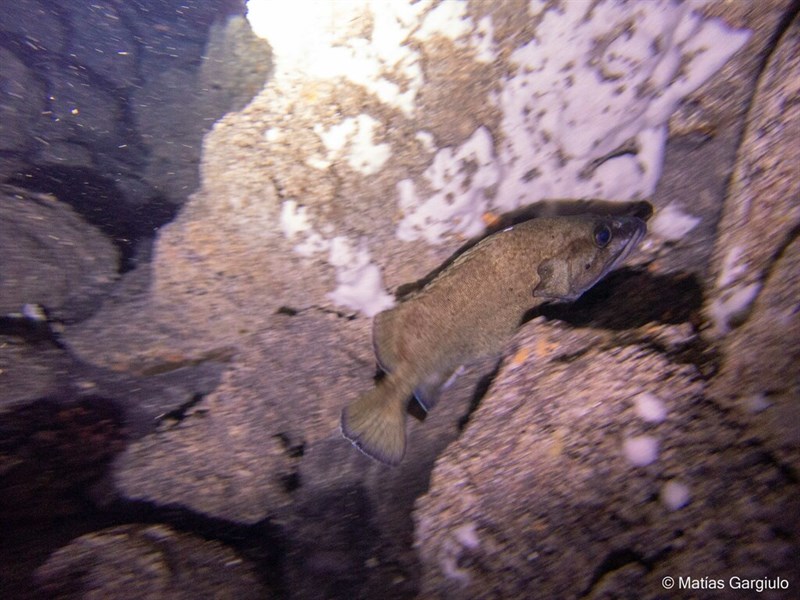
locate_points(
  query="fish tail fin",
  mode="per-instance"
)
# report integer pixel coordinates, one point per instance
(376, 422)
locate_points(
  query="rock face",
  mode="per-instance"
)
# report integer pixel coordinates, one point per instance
(146, 561)
(537, 495)
(545, 489)
(756, 263)
(51, 257)
(603, 454)
(119, 96)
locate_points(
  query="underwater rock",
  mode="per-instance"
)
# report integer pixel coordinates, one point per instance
(266, 443)
(147, 561)
(537, 493)
(752, 306)
(705, 133)
(313, 166)
(175, 107)
(762, 211)
(49, 256)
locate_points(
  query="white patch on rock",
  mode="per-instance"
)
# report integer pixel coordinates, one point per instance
(755, 403)
(650, 408)
(463, 538)
(359, 280)
(671, 223)
(460, 178)
(732, 267)
(731, 306)
(447, 19)
(675, 495)
(467, 536)
(640, 450)
(294, 219)
(352, 139)
(322, 40)
(596, 77)
(482, 41)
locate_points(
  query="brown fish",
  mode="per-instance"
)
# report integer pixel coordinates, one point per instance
(473, 308)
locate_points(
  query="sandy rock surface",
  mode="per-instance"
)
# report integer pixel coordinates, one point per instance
(146, 561)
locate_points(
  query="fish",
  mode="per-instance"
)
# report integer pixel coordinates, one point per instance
(472, 309)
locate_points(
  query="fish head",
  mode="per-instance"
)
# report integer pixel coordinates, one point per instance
(582, 250)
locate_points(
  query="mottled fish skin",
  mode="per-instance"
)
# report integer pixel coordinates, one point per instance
(473, 308)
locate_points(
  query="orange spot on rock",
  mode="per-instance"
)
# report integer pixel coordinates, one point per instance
(520, 357)
(490, 219)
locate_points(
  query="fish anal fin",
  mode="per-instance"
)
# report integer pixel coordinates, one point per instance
(430, 389)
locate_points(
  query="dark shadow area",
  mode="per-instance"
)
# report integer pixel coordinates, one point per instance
(54, 453)
(30, 331)
(332, 541)
(482, 387)
(630, 298)
(52, 449)
(102, 204)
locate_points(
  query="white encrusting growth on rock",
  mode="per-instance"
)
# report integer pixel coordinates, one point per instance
(671, 223)
(352, 139)
(734, 296)
(359, 280)
(640, 450)
(455, 205)
(650, 408)
(294, 219)
(586, 112)
(464, 538)
(583, 109)
(675, 495)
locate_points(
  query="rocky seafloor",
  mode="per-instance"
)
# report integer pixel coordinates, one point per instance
(173, 432)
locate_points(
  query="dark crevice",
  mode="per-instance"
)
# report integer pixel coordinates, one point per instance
(630, 298)
(481, 389)
(291, 482)
(31, 331)
(56, 459)
(179, 414)
(292, 450)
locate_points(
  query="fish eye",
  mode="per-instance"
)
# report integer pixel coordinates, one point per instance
(602, 235)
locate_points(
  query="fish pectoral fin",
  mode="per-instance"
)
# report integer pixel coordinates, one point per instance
(376, 422)
(428, 391)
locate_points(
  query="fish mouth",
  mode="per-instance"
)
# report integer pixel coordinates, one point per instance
(635, 229)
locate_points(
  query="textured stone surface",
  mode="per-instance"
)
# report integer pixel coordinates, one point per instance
(757, 249)
(51, 257)
(537, 494)
(266, 444)
(762, 211)
(146, 561)
(705, 133)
